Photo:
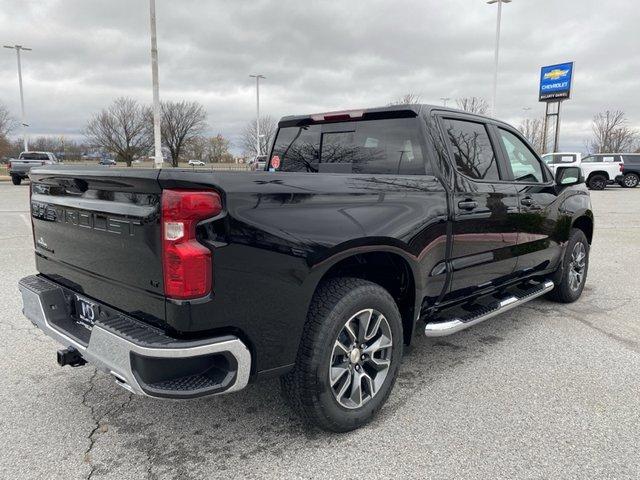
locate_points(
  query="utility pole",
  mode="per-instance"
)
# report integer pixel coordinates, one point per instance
(17, 48)
(496, 54)
(257, 77)
(445, 100)
(157, 138)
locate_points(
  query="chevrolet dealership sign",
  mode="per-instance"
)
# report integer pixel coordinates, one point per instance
(555, 82)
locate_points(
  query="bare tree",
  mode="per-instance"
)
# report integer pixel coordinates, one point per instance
(407, 99)
(611, 133)
(181, 122)
(533, 131)
(7, 123)
(218, 149)
(121, 129)
(209, 149)
(268, 127)
(477, 105)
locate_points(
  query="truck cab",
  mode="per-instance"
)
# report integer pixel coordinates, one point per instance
(566, 159)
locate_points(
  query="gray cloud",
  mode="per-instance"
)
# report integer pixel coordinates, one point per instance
(317, 55)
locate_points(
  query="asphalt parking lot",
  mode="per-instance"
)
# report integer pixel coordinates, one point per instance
(544, 391)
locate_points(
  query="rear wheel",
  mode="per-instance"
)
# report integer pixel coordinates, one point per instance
(597, 182)
(630, 180)
(16, 179)
(348, 357)
(570, 278)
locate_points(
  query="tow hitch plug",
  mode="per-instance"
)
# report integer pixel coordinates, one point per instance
(70, 356)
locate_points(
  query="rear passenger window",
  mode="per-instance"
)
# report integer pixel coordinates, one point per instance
(631, 159)
(382, 147)
(472, 151)
(379, 147)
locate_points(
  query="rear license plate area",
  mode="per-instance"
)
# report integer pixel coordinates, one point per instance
(86, 312)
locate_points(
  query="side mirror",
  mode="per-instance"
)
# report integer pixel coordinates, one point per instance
(566, 176)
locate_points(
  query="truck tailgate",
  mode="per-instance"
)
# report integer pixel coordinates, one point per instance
(98, 231)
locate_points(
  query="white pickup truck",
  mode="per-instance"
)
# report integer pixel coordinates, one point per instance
(19, 167)
(565, 159)
(601, 169)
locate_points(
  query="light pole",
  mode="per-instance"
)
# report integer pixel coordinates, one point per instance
(497, 52)
(257, 77)
(445, 100)
(157, 138)
(17, 48)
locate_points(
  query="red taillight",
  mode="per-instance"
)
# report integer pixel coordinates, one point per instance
(186, 263)
(9, 164)
(622, 167)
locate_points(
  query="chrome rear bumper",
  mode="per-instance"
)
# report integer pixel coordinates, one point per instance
(142, 358)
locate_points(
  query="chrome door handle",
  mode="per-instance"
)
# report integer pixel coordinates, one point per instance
(467, 204)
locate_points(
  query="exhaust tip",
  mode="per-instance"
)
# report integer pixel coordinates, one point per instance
(70, 356)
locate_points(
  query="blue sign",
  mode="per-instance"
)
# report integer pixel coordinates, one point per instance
(555, 82)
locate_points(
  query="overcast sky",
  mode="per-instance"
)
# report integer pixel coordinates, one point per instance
(317, 56)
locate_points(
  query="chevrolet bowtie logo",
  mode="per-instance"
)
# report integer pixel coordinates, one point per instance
(555, 74)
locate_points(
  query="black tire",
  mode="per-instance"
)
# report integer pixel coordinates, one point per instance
(308, 386)
(565, 290)
(597, 182)
(16, 179)
(630, 180)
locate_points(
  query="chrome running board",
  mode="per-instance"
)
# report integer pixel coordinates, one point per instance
(447, 327)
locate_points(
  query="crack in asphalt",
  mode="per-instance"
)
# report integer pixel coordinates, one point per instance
(98, 421)
(87, 453)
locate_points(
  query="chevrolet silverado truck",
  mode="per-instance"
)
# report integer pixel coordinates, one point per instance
(601, 169)
(365, 228)
(19, 167)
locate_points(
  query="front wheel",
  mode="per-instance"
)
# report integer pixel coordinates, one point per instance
(348, 357)
(630, 180)
(570, 278)
(597, 182)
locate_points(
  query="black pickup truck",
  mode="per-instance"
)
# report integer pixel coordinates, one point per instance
(365, 226)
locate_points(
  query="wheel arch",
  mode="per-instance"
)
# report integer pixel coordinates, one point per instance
(584, 223)
(389, 269)
(598, 172)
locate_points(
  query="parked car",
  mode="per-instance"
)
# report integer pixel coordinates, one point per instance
(196, 163)
(373, 224)
(553, 160)
(19, 167)
(630, 170)
(110, 162)
(259, 163)
(601, 169)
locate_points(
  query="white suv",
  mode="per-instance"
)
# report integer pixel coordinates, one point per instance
(601, 169)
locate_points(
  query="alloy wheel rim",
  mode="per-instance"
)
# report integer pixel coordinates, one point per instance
(577, 266)
(360, 358)
(631, 181)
